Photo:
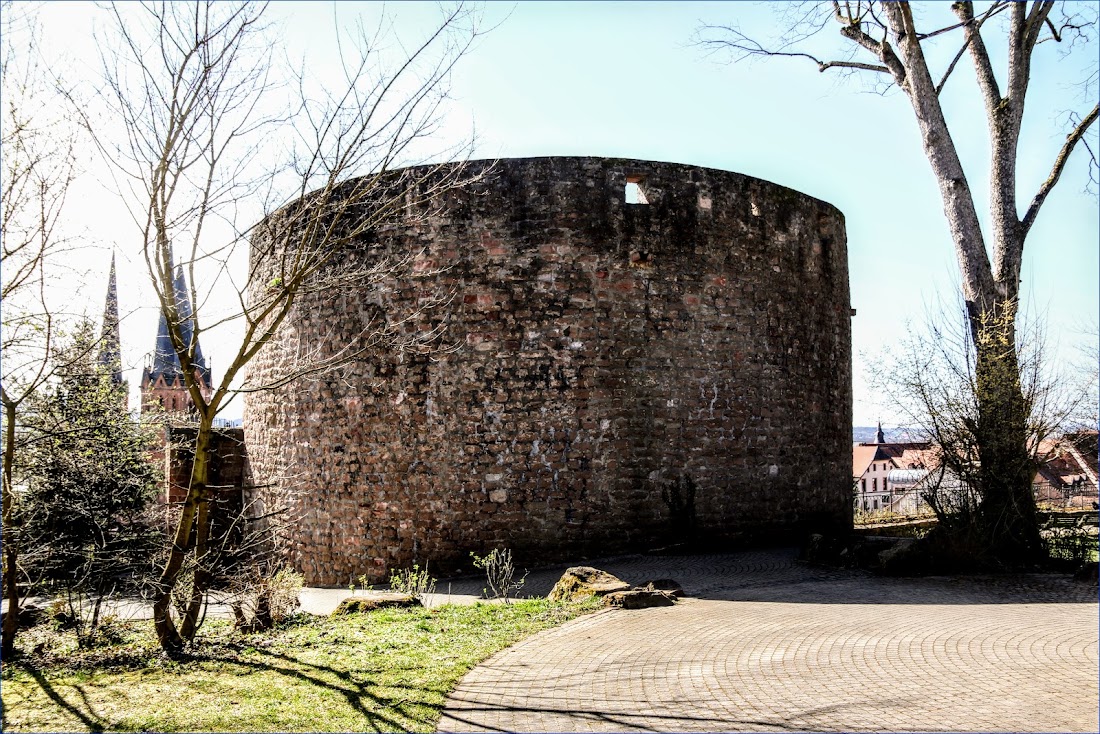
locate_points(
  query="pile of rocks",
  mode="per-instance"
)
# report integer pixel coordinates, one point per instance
(580, 582)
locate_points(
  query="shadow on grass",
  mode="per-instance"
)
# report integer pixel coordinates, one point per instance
(381, 713)
(86, 715)
(354, 692)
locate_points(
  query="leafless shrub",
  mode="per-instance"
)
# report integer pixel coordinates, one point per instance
(499, 572)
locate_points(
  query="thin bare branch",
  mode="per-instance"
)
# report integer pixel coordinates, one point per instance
(976, 24)
(1059, 165)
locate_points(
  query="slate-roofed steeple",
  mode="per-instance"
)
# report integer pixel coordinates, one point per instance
(880, 437)
(110, 343)
(165, 362)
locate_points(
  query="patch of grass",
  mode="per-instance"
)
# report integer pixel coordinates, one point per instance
(880, 517)
(386, 670)
(1071, 546)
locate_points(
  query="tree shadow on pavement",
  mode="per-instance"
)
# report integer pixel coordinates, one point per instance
(585, 718)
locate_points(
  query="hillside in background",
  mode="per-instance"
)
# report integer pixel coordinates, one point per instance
(866, 434)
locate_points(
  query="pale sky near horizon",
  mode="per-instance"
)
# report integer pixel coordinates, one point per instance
(624, 80)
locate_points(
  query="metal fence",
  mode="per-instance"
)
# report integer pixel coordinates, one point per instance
(1081, 494)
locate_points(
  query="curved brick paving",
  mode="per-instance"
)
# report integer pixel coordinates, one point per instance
(768, 645)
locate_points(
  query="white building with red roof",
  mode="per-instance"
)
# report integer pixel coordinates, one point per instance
(895, 476)
(872, 464)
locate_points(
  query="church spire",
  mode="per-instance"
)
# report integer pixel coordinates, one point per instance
(880, 437)
(165, 360)
(110, 342)
(162, 382)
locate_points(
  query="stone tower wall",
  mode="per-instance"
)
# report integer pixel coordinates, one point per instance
(622, 376)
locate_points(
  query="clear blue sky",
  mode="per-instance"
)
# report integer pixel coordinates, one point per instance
(623, 79)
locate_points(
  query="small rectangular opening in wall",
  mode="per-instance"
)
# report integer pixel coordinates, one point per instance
(634, 192)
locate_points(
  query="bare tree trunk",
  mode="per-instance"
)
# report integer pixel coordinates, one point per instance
(1007, 514)
(171, 638)
(11, 545)
(1001, 469)
(201, 582)
(167, 634)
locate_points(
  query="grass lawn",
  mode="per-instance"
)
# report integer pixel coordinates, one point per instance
(386, 670)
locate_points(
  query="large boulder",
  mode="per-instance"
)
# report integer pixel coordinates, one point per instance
(639, 599)
(580, 582)
(360, 604)
(902, 558)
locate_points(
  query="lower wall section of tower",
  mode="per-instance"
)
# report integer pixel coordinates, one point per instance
(610, 377)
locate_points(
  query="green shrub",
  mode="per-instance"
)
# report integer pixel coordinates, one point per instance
(1073, 546)
(414, 581)
(499, 572)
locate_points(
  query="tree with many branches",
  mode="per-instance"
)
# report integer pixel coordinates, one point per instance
(38, 167)
(217, 138)
(887, 42)
(930, 376)
(88, 483)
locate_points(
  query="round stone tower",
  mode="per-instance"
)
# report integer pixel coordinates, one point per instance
(630, 355)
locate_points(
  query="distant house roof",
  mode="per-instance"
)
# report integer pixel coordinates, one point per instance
(1072, 457)
(1066, 459)
(862, 456)
(1085, 447)
(917, 456)
(907, 455)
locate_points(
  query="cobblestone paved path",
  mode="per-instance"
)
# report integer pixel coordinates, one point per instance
(765, 644)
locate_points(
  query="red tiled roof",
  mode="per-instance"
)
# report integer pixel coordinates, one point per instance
(1070, 457)
(918, 456)
(912, 454)
(1086, 450)
(862, 456)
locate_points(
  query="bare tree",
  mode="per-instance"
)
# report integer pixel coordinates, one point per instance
(883, 40)
(38, 167)
(931, 377)
(210, 147)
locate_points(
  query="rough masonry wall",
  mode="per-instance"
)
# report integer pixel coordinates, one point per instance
(624, 376)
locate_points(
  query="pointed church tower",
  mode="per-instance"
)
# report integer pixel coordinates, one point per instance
(880, 437)
(162, 382)
(110, 343)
